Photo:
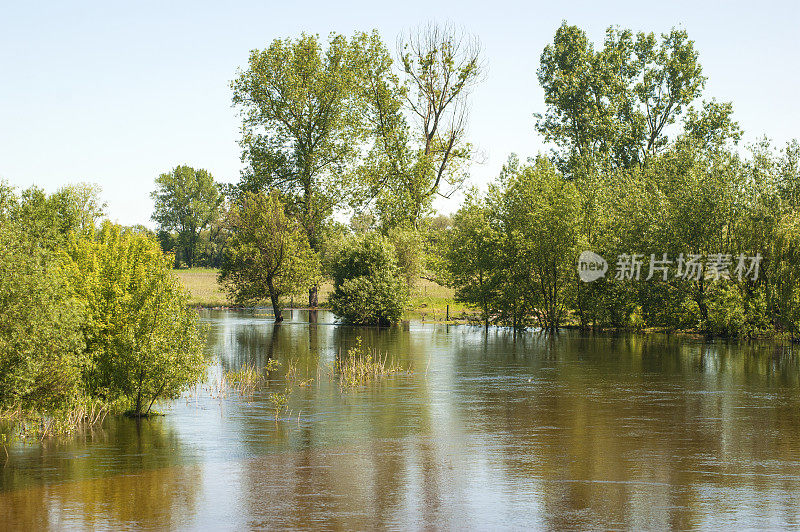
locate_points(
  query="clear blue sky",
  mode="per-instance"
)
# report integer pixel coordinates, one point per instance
(115, 93)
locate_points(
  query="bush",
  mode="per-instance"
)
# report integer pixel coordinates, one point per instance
(368, 287)
(40, 339)
(142, 340)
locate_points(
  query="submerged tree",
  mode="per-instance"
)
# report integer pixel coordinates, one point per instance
(471, 256)
(368, 285)
(40, 326)
(186, 201)
(143, 342)
(267, 253)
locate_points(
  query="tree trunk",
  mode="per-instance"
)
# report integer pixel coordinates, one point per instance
(701, 303)
(313, 296)
(276, 306)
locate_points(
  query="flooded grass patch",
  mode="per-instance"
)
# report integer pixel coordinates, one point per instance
(362, 364)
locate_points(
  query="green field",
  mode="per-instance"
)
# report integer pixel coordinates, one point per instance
(428, 300)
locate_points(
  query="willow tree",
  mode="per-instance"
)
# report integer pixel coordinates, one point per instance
(302, 125)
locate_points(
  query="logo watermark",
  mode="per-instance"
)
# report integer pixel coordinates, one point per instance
(591, 266)
(633, 266)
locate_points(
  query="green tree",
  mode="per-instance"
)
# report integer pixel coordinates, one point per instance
(415, 161)
(471, 258)
(267, 253)
(612, 107)
(540, 213)
(50, 219)
(302, 127)
(40, 336)
(142, 339)
(186, 201)
(786, 284)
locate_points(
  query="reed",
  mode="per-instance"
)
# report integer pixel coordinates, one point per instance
(362, 365)
(60, 422)
(246, 380)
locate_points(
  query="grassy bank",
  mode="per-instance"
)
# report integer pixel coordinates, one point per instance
(428, 301)
(204, 290)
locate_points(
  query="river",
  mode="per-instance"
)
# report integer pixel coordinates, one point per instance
(492, 430)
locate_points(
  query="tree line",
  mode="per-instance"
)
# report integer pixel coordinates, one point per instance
(642, 165)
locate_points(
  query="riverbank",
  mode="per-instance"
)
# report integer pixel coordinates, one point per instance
(429, 301)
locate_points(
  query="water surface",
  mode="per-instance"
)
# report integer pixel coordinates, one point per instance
(492, 430)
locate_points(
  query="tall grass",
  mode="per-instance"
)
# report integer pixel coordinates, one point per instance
(60, 422)
(363, 364)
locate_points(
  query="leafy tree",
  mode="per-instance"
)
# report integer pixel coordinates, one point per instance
(471, 257)
(787, 277)
(612, 107)
(49, 219)
(142, 340)
(186, 201)
(267, 253)
(301, 126)
(40, 319)
(408, 249)
(413, 162)
(368, 287)
(540, 216)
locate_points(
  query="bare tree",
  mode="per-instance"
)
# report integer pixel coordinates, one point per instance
(443, 64)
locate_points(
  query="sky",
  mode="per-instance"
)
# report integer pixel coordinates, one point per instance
(116, 93)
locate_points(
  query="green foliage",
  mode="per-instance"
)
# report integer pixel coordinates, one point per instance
(50, 219)
(412, 161)
(142, 341)
(513, 254)
(611, 108)
(408, 249)
(368, 286)
(471, 260)
(40, 338)
(187, 202)
(267, 255)
(786, 286)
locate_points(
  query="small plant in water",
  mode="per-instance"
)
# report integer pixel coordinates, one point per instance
(362, 365)
(280, 401)
(246, 379)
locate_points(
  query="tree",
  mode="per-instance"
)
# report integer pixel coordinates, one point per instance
(40, 326)
(49, 219)
(301, 127)
(267, 253)
(787, 277)
(368, 287)
(471, 257)
(612, 107)
(186, 201)
(142, 339)
(540, 214)
(441, 65)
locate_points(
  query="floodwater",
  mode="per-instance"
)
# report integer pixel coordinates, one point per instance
(491, 431)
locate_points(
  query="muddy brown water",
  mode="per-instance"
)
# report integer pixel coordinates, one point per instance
(491, 431)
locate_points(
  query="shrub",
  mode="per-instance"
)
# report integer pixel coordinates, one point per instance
(40, 341)
(368, 287)
(143, 342)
